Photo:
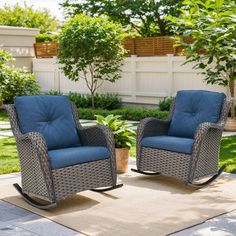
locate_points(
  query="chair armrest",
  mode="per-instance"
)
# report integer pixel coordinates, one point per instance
(206, 141)
(151, 127)
(38, 143)
(99, 135)
(203, 128)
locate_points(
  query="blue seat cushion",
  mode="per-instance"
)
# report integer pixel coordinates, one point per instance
(193, 107)
(76, 155)
(49, 115)
(169, 143)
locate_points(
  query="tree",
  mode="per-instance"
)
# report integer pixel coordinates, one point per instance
(91, 48)
(14, 81)
(26, 16)
(145, 16)
(212, 25)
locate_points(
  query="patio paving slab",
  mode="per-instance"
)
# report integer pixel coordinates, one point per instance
(17, 221)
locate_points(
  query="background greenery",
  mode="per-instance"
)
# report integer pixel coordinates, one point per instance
(146, 17)
(26, 16)
(212, 26)
(14, 81)
(41, 38)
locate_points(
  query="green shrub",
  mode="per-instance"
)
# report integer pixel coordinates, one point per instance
(125, 113)
(53, 92)
(80, 100)
(103, 101)
(107, 101)
(41, 38)
(165, 104)
(15, 81)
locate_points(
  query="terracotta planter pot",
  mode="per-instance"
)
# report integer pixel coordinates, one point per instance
(230, 125)
(122, 159)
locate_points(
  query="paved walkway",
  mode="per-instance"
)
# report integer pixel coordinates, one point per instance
(19, 222)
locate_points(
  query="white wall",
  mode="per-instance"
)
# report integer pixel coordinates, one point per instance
(19, 42)
(145, 80)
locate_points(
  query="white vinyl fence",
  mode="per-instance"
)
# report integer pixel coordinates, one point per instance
(145, 80)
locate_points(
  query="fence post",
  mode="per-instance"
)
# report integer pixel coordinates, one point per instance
(170, 58)
(133, 78)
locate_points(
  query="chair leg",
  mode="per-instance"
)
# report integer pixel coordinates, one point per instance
(144, 172)
(209, 181)
(32, 202)
(107, 189)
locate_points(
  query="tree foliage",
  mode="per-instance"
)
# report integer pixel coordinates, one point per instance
(26, 16)
(91, 48)
(212, 24)
(14, 81)
(145, 16)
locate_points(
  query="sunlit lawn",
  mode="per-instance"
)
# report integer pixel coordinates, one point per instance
(3, 115)
(8, 156)
(9, 161)
(228, 153)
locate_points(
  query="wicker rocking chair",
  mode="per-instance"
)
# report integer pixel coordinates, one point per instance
(58, 157)
(185, 146)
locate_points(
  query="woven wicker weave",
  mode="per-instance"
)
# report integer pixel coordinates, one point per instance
(53, 185)
(188, 167)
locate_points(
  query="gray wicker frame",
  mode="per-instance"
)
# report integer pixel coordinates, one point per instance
(39, 180)
(187, 167)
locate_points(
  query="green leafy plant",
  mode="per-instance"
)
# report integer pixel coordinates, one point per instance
(212, 25)
(165, 104)
(15, 81)
(91, 48)
(41, 38)
(123, 134)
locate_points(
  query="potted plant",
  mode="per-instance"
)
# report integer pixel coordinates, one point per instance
(212, 26)
(124, 138)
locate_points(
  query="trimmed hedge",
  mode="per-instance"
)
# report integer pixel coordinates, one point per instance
(106, 101)
(103, 101)
(126, 113)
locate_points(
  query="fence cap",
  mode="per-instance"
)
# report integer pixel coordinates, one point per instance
(20, 31)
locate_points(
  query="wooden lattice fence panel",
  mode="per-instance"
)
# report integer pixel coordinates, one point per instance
(151, 46)
(46, 50)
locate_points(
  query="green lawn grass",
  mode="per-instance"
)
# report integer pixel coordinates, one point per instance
(228, 153)
(9, 159)
(3, 115)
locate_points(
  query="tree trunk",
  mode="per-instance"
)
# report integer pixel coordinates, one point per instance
(92, 97)
(231, 88)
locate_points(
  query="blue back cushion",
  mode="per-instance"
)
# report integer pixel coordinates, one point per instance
(193, 107)
(49, 115)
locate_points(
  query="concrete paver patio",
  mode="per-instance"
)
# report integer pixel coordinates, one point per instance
(19, 222)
